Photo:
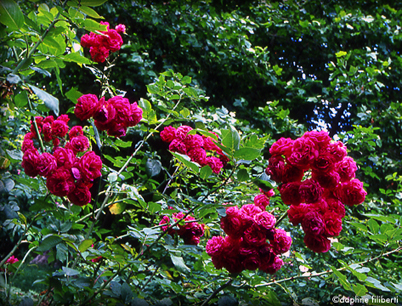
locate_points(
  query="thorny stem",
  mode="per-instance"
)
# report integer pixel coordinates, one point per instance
(281, 218)
(326, 272)
(217, 291)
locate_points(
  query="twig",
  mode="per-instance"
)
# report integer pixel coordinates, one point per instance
(217, 291)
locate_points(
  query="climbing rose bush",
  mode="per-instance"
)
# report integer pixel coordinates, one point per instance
(67, 164)
(317, 179)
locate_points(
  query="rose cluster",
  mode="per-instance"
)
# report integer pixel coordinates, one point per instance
(200, 149)
(191, 231)
(114, 115)
(317, 178)
(101, 44)
(70, 168)
(246, 245)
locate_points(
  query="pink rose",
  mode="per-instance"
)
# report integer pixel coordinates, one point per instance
(323, 163)
(346, 168)
(114, 40)
(116, 129)
(135, 115)
(210, 143)
(28, 142)
(303, 153)
(198, 155)
(296, 213)
(276, 168)
(182, 131)
(80, 195)
(193, 141)
(281, 242)
(79, 144)
(318, 244)
(321, 138)
(47, 131)
(177, 146)
(270, 193)
(59, 128)
(351, 193)
(86, 106)
(30, 162)
(120, 28)
(232, 223)
(327, 180)
(313, 223)
(168, 133)
(75, 131)
(122, 106)
(64, 157)
(266, 222)
(311, 191)
(214, 246)
(46, 164)
(39, 123)
(283, 146)
(337, 150)
(60, 182)
(290, 194)
(99, 54)
(88, 40)
(248, 212)
(261, 201)
(12, 260)
(254, 236)
(105, 114)
(215, 164)
(90, 166)
(336, 206)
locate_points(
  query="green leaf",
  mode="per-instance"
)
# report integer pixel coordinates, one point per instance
(186, 80)
(41, 204)
(247, 153)
(342, 279)
(76, 58)
(231, 138)
(186, 161)
(242, 175)
(73, 95)
(92, 2)
(372, 282)
(92, 25)
(373, 225)
(179, 263)
(69, 271)
(205, 172)
(49, 242)
(13, 78)
(50, 101)
(85, 245)
(11, 15)
(340, 53)
(265, 182)
(380, 238)
(90, 12)
(21, 99)
(360, 226)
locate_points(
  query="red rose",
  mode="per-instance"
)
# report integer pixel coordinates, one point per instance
(105, 114)
(215, 164)
(168, 133)
(290, 193)
(337, 150)
(75, 131)
(303, 153)
(11, 260)
(39, 123)
(333, 224)
(135, 115)
(214, 246)
(321, 138)
(90, 166)
(177, 146)
(323, 163)
(327, 179)
(318, 244)
(276, 168)
(120, 28)
(114, 40)
(281, 242)
(313, 223)
(59, 128)
(28, 142)
(99, 54)
(123, 108)
(116, 129)
(266, 222)
(296, 213)
(254, 236)
(283, 146)
(232, 223)
(193, 141)
(351, 193)
(267, 257)
(64, 157)
(46, 164)
(210, 143)
(86, 106)
(47, 131)
(198, 155)
(30, 162)
(292, 174)
(80, 195)
(274, 266)
(252, 260)
(346, 168)
(60, 182)
(182, 131)
(336, 206)
(79, 144)
(248, 212)
(311, 191)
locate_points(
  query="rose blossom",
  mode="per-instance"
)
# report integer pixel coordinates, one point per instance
(283, 146)
(214, 246)
(28, 142)
(182, 131)
(346, 169)
(351, 193)
(290, 193)
(210, 143)
(248, 212)
(75, 131)
(276, 168)
(59, 128)
(311, 191)
(79, 144)
(64, 157)
(266, 255)
(135, 115)
(252, 260)
(336, 206)
(87, 105)
(168, 133)
(122, 106)
(296, 213)
(254, 236)
(105, 113)
(198, 155)
(99, 54)
(261, 201)
(327, 180)
(46, 164)
(193, 141)
(215, 164)
(317, 243)
(292, 174)
(12, 260)
(274, 266)
(324, 162)
(313, 223)
(47, 131)
(116, 129)
(120, 28)
(321, 138)
(90, 166)
(337, 150)
(281, 242)
(270, 193)
(304, 151)
(80, 195)
(333, 224)
(60, 182)
(30, 162)
(232, 223)
(177, 146)
(266, 222)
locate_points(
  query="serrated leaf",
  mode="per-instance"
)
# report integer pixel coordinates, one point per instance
(85, 245)
(186, 161)
(73, 95)
(179, 263)
(76, 58)
(242, 175)
(342, 279)
(92, 25)
(373, 225)
(359, 289)
(231, 138)
(50, 101)
(247, 154)
(205, 172)
(11, 15)
(117, 208)
(90, 12)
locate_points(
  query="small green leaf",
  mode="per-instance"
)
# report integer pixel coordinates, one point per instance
(373, 225)
(340, 53)
(85, 245)
(231, 138)
(247, 154)
(153, 167)
(76, 58)
(179, 263)
(73, 95)
(92, 2)
(70, 272)
(49, 242)
(90, 12)
(242, 175)
(186, 80)
(11, 15)
(13, 78)
(186, 161)
(205, 172)
(21, 99)
(50, 101)
(342, 279)
(265, 182)
(92, 25)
